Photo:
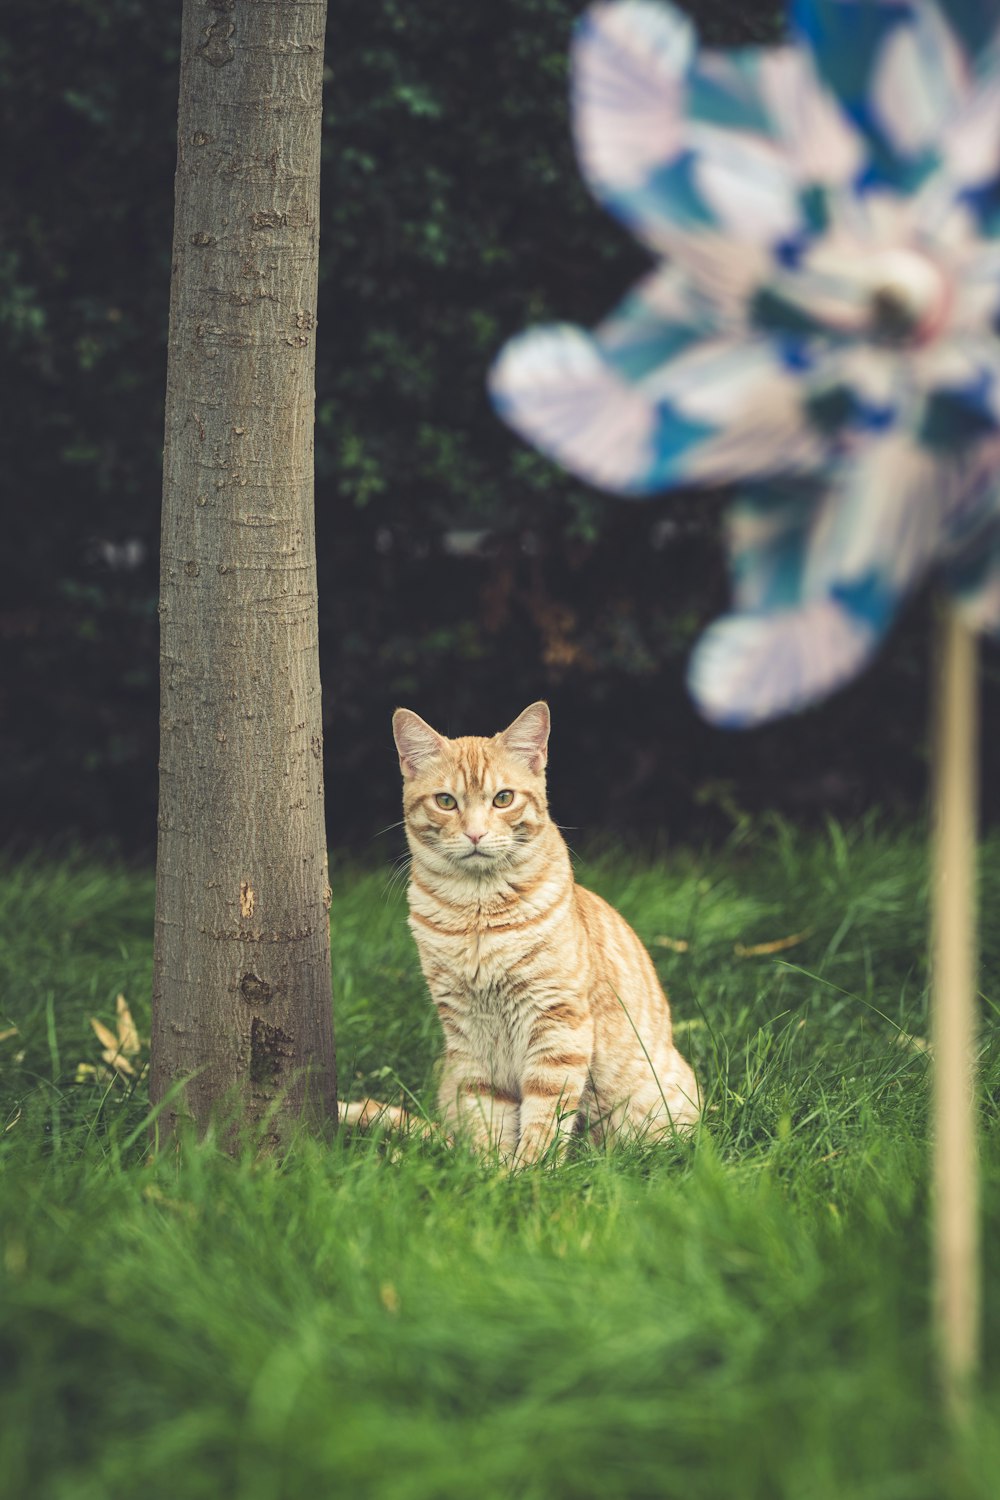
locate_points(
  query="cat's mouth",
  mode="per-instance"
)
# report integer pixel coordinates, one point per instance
(477, 857)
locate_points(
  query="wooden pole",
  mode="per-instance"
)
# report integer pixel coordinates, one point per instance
(953, 1025)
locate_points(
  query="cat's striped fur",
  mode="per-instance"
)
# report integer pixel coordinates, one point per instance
(552, 1014)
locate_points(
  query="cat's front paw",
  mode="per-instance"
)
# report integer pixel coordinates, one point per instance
(537, 1146)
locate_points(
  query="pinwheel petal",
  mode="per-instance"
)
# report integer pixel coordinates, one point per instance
(821, 143)
(725, 89)
(845, 38)
(769, 142)
(877, 531)
(976, 303)
(752, 395)
(745, 187)
(865, 534)
(918, 82)
(715, 411)
(677, 152)
(554, 388)
(974, 23)
(963, 199)
(971, 137)
(767, 532)
(660, 318)
(750, 668)
(898, 69)
(817, 584)
(629, 65)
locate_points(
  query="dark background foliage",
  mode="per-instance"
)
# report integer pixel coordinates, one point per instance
(459, 573)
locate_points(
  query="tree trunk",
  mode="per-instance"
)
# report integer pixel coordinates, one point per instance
(241, 988)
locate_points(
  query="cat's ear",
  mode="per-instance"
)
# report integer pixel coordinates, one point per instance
(527, 739)
(418, 744)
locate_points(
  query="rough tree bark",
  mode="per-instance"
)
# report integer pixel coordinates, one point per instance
(241, 990)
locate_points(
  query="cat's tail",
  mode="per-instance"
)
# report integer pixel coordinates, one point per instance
(367, 1114)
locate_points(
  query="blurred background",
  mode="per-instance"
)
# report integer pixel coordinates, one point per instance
(459, 573)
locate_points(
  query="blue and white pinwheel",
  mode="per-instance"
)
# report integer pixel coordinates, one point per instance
(821, 328)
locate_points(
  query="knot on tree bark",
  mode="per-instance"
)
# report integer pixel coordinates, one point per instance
(255, 991)
(216, 48)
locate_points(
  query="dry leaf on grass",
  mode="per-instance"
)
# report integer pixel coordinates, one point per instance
(120, 1050)
(128, 1035)
(777, 945)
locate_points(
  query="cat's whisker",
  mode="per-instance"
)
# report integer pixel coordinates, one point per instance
(387, 829)
(401, 868)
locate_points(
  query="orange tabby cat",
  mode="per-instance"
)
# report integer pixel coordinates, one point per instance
(552, 1013)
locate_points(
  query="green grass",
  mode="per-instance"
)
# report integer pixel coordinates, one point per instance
(745, 1316)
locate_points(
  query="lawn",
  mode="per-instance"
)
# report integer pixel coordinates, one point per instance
(743, 1316)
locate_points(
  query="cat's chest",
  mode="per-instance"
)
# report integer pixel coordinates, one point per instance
(487, 1003)
(488, 957)
(476, 963)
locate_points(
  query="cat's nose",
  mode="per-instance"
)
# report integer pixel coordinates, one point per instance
(473, 837)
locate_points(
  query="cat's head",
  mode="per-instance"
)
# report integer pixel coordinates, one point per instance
(473, 805)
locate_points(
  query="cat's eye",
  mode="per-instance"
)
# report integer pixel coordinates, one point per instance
(503, 799)
(445, 800)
